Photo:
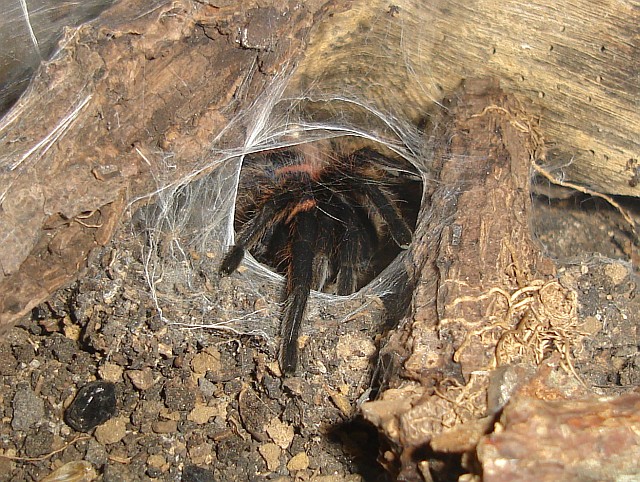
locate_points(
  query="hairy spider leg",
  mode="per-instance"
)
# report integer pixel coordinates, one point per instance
(357, 240)
(398, 228)
(304, 232)
(254, 230)
(381, 199)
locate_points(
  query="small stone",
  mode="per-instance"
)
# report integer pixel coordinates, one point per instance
(72, 332)
(62, 348)
(112, 431)
(154, 472)
(193, 473)
(164, 426)
(179, 396)
(208, 360)
(167, 414)
(202, 413)
(110, 372)
(295, 385)
(591, 326)
(341, 402)
(271, 455)
(281, 433)
(165, 350)
(207, 388)
(298, 462)
(28, 409)
(156, 460)
(96, 453)
(201, 454)
(141, 379)
(616, 272)
(118, 472)
(38, 443)
(355, 351)
(95, 403)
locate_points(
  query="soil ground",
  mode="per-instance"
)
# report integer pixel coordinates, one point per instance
(197, 405)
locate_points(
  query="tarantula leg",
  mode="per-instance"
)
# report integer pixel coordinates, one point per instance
(347, 278)
(299, 281)
(232, 260)
(398, 228)
(254, 230)
(357, 243)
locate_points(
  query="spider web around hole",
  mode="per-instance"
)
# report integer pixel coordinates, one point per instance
(187, 231)
(349, 223)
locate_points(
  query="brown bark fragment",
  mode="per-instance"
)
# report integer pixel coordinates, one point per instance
(550, 440)
(473, 249)
(132, 103)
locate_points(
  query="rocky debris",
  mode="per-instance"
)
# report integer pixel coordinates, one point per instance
(193, 473)
(112, 431)
(28, 409)
(196, 405)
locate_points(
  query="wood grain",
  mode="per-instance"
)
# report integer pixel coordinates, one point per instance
(578, 61)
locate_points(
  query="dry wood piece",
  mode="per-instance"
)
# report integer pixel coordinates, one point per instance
(485, 296)
(550, 440)
(131, 104)
(490, 324)
(576, 61)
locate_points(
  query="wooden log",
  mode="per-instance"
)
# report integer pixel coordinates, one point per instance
(549, 440)
(577, 62)
(475, 263)
(131, 104)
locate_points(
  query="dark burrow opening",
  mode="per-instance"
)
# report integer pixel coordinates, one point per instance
(363, 206)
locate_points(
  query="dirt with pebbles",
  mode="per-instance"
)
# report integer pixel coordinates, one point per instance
(196, 405)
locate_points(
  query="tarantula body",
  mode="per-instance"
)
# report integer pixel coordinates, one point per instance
(318, 217)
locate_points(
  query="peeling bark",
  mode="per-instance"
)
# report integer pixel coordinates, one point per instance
(473, 249)
(130, 104)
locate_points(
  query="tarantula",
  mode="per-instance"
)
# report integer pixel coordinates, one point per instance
(319, 217)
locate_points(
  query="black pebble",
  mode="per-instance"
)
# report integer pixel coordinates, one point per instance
(193, 473)
(95, 403)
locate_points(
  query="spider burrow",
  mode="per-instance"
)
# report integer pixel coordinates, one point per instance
(327, 220)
